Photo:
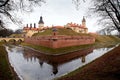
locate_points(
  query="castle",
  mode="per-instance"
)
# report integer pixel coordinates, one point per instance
(28, 31)
(78, 28)
(57, 41)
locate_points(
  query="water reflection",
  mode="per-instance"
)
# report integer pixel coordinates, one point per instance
(55, 60)
(41, 63)
(55, 69)
(83, 59)
(32, 65)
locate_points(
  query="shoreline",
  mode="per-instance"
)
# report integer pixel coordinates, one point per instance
(100, 69)
(8, 71)
(14, 74)
(55, 54)
(66, 50)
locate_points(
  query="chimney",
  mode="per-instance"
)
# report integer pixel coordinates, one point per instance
(34, 25)
(30, 25)
(27, 25)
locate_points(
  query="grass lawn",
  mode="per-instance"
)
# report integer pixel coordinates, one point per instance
(64, 31)
(5, 72)
(58, 50)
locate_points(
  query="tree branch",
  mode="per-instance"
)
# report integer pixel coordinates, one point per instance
(4, 3)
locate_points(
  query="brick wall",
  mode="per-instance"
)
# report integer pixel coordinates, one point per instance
(60, 41)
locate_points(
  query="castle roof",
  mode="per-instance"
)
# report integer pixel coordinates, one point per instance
(30, 28)
(41, 20)
(83, 19)
(76, 25)
(34, 28)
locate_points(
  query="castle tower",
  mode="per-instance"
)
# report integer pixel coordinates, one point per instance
(84, 22)
(41, 23)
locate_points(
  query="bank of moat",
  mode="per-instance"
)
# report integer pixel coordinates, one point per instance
(56, 39)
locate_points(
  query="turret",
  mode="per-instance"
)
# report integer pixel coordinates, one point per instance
(84, 22)
(30, 25)
(27, 25)
(41, 23)
(34, 25)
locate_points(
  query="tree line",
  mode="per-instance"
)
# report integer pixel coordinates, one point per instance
(8, 32)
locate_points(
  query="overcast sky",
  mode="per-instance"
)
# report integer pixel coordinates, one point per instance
(60, 12)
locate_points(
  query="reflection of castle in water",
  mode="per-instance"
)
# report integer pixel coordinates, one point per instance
(55, 60)
(41, 63)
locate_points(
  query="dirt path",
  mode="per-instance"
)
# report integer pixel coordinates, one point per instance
(106, 67)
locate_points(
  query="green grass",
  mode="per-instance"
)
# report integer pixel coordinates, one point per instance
(104, 38)
(5, 72)
(58, 50)
(105, 41)
(59, 32)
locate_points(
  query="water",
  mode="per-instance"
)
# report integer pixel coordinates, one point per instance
(31, 65)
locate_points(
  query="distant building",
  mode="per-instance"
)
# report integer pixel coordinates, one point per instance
(41, 23)
(28, 31)
(78, 28)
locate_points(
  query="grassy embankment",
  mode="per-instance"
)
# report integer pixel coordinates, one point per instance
(101, 41)
(68, 32)
(106, 67)
(5, 71)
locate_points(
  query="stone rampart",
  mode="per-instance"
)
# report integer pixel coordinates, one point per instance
(60, 41)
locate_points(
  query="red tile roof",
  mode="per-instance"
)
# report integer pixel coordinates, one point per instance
(75, 25)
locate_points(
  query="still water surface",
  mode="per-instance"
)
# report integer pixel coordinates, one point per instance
(32, 65)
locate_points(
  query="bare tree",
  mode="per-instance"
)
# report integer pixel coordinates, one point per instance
(110, 12)
(77, 3)
(5, 32)
(8, 6)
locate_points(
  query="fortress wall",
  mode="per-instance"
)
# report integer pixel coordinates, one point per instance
(60, 41)
(66, 43)
(46, 43)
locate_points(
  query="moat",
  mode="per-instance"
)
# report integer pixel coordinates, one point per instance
(31, 65)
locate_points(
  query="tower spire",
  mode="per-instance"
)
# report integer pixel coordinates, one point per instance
(83, 22)
(41, 23)
(41, 20)
(83, 19)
